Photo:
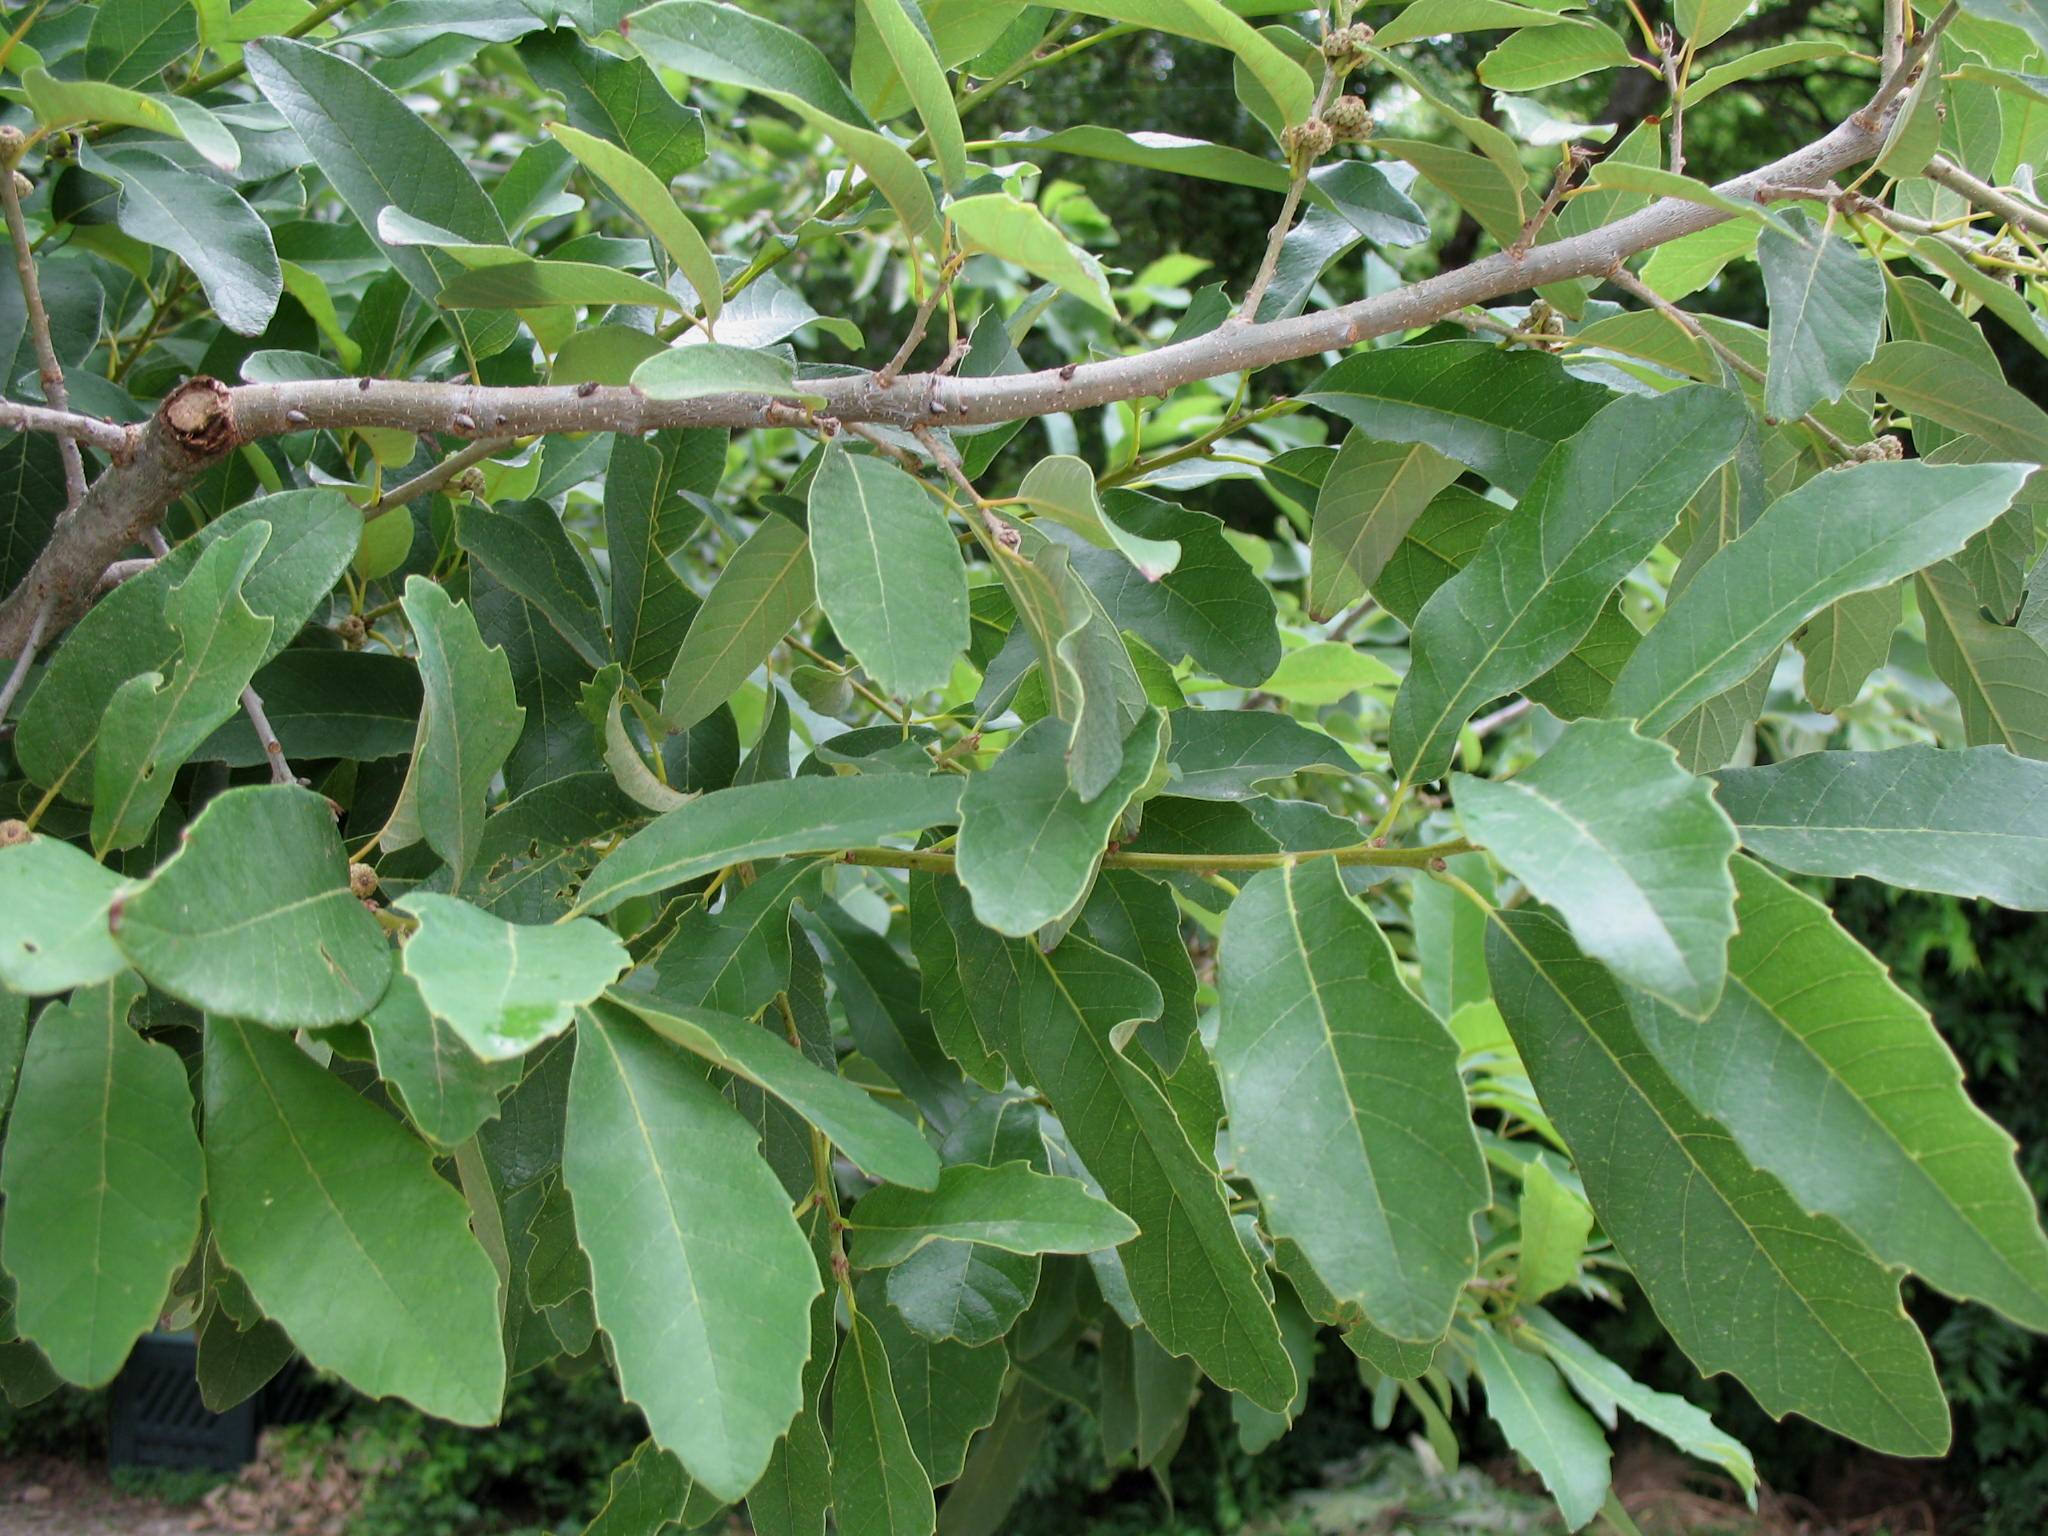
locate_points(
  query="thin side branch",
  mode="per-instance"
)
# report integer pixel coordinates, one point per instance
(19, 674)
(939, 862)
(1982, 194)
(47, 365)
(431, 480)
(107, 436)
(273, 749)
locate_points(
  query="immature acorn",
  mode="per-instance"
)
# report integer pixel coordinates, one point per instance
(1308, 141)
(1349, 120)
(1347, 45)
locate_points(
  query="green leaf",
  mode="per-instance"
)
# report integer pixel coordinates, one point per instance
(54, 933)
(1210, 606)
(1191, 1277)
(1497, 412)
(1063, 488)
(446, 1089)
(1028, 841)
(879, 1488)
(756, 821)
(877, 1140)
(924, 78)
(1846, 642)
(1867, 1124)
(321, 703)
(1628, 846)
(1999, 675)
(1538, 56)
(617, 99)
(60, 102)
(1961, 394)
(1604, 1386)
(647, 197)
(468, 724)
(1541, 1420)
(764, 588)
(702, 1278)
(1154, 151)
(1827, 314)
(1225, 754)
(153, 724)
(963, 1291)
(1019, 233)
(1969, 822)
(1370, 498)
(504, 987)
(1209, 21)
(1850, 530)
(689, 372)
(278, 939)
(316, 1193)
(1327, 672)
(649, 1493)
(889, 575)
(2027, 15)
(946, 1391)
(1601, 502)
(722, 43)
(1555, 1226)
(523, 544)
(1701, 22)
(647, 526)
(377, 153)
(1010, 1206)
(102, 1182)
(1346, 1111)
(518, 281)
(131, 42)
(1089, 680)
(205, 224)
(1746, 1281)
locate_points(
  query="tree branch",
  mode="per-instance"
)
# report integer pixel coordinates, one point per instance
(1983, 195)
(210, 417)
(17, 416)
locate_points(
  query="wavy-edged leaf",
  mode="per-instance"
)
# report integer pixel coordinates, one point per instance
(1028, 841)
(316, 1194)
(879, 1488)
(1746, 1281)
(764, 588)
(877, 1140)
(102, 1180)
(279, 939)
(1968, 822)
(889, 574)
(1528, 1399)
(1346, 1111)
(1632, 850)
(1851, 530)
(505, 987)
(1834, 1080)
(1601, 502)
(1370, 498)
(1999, 675)
(54, 935)
(702, 1279)
(1010, 1206)
(805, 815)
(446, 1088)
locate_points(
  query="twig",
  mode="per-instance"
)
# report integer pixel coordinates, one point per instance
(1507, 714)
(1894, 34)
(2009, 208)
(22, 662)
(1900, 74)
(1559, 185)
(273, 749)
(919, 323)
(1303, 155)
(936, 862)
(430, 480)
(1673, 63)
(120, 571)
(18, 416)
(992, 527)
(236, 70)
(51, 370)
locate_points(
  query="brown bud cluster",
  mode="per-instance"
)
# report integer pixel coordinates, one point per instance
(1309, 141)
(1346, 46)
(1349, 121)
(1884, 448)
(362, 881)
